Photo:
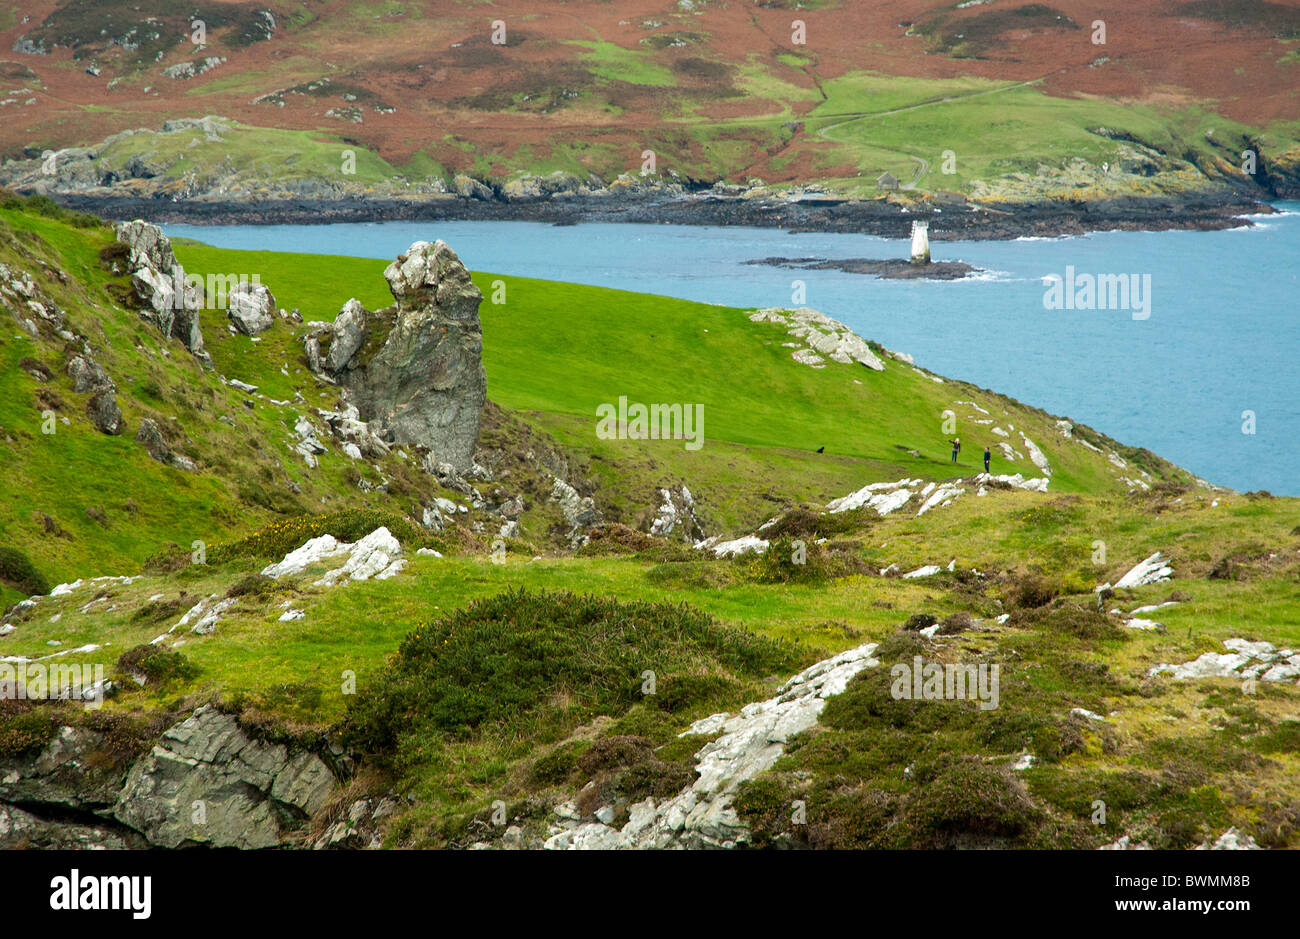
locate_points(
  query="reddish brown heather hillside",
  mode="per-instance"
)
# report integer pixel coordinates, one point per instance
(452, 93)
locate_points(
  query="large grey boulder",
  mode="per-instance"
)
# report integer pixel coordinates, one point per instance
(251, 307)
(207, 782)
(332, 345)
(89, 376)
(160, 287)
(104, 413)
(414, 370)
(467, 187)
(149, 246)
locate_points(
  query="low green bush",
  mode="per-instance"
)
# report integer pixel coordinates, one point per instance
(158, 611)
(529, 658)
(156, 664)
(26, 728)
(17, 570)
(796, 560)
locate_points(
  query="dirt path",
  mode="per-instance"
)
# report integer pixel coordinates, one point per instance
(923, 167)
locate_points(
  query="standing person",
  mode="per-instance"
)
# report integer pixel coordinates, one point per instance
(986, 459)
(956, 448)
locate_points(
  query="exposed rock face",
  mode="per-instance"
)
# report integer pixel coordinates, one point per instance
(579, 511)
(251, 307)
(467, 187)
(749, 544)
(820, 336)
(1151, 570)
(890, 497)
(414, 370)
(89, 376)
(1260, 660)
(23, 829)
(347, 427)
(151, 437)
(104, 413)
(676, 515)
(207, 782)
(202, 618)
(376, 555)
(701, 815)
(164, 295)
(64, 775)
(360, 829)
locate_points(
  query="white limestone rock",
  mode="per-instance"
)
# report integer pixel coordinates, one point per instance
(749, 544)
(702, 815)
(250, 307)
(825, 338)
(1153, 569)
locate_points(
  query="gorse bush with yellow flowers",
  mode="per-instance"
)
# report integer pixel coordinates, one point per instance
(279, 538)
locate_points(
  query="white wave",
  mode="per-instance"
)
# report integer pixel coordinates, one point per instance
(986, 277)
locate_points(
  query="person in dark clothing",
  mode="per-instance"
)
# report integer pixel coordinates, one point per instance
(986, 458)
(956, 448)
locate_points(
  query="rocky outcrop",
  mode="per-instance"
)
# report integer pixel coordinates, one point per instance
(413, 370)
(68, 775)
(157, 447)
(1245, 660)
(748, 544)
(1152, 570)
(359, 828)
(467, 187)
(22, 829)
(376, 555)
(701, 815)
(579, 511)
(159, 286)
(555, 185)
(207, 782)
(89, 376)
(888, 497)
(820, 338)
(676, 515)
(103, 412)
(250, 307)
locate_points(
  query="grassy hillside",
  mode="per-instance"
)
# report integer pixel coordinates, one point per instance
(764, 414)
(717, 91)
(456, 730)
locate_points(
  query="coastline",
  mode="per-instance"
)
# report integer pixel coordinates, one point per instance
(950, 219)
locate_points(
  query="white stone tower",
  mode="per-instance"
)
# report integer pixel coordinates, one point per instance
(920, 242)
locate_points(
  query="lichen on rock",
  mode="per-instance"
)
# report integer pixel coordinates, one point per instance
(414, 370)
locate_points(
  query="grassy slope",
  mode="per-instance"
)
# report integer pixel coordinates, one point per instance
(764, 414)
(866, 121)
(554, 367)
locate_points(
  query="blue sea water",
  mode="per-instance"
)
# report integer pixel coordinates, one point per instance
(1222, 337)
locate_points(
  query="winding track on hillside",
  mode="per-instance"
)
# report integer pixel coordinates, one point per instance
(924, 167)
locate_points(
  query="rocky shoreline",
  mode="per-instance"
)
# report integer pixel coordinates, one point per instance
(950, 219)
(888, 269)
